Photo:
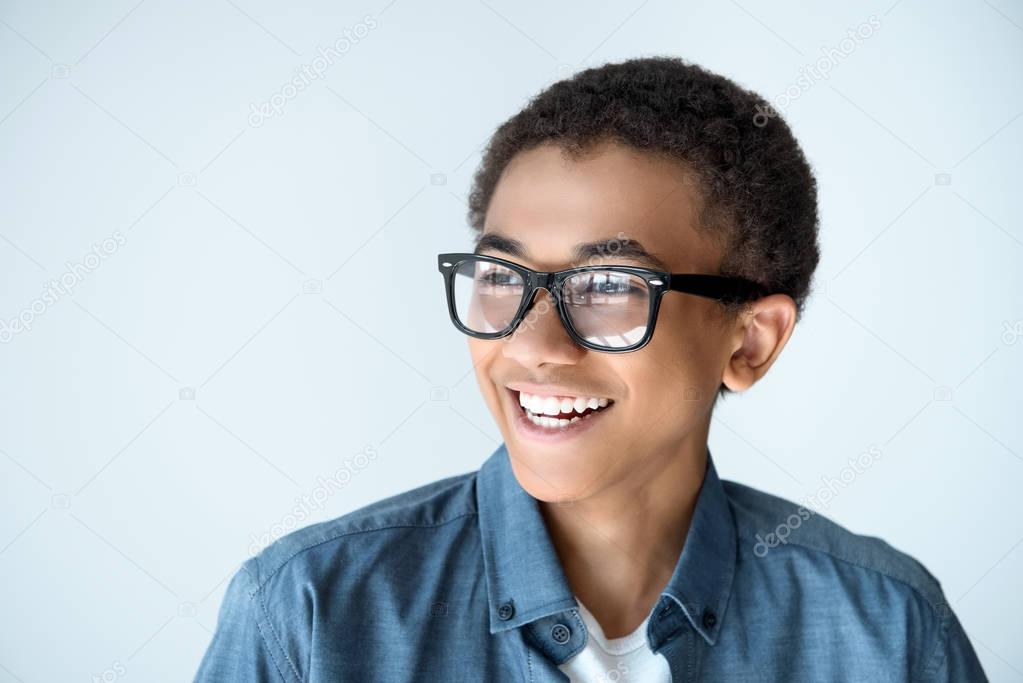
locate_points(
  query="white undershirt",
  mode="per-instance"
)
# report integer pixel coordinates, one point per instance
(628, 658)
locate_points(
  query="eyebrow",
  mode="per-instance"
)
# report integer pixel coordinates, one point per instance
(613, 247)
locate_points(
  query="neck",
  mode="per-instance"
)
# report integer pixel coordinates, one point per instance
(619, 547)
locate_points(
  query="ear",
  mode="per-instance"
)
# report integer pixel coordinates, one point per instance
(759, 336)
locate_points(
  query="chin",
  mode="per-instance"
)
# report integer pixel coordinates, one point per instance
(562, 482)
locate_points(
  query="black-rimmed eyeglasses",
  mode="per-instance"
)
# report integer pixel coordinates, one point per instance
(604, 308)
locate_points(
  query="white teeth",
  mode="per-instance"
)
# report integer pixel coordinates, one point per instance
(554, 405)
(544, 410)
(552, 422)
(539, 420)
(551, 406)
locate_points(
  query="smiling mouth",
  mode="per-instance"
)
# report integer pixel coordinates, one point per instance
(559, 411)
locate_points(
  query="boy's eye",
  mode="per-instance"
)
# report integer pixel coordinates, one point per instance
(606, 283)
(612, 287)
(499, 278)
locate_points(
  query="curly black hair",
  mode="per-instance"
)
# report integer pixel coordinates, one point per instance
(760, 195)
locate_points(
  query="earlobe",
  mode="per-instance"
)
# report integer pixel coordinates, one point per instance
(760, 335)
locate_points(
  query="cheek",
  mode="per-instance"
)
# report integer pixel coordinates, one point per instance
(681, 361)
(482, 353)
(475, 350)
(681, 321)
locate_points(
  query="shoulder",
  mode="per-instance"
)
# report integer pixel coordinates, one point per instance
(275, 596)
(768, 524)
(429, 509)
(853, 580)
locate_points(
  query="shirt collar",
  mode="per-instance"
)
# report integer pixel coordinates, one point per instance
(525, 580)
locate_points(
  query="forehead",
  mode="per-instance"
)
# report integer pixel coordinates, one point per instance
(550, 204)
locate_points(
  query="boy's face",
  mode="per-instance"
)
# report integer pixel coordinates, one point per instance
(661, 394)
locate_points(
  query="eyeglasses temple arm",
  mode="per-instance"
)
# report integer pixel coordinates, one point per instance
(722, 288)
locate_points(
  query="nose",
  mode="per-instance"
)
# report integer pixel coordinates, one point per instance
(541, 337)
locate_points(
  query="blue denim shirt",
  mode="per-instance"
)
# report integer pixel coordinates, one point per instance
(458, 580)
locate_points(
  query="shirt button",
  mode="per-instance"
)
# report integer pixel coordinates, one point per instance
(506, 611)
(561, 634)
(709, 618)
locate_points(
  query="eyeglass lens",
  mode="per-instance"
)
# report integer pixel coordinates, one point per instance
(607, 308)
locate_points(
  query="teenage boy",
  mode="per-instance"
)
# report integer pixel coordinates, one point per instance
(597, 543)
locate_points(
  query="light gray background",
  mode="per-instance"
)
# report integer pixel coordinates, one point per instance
(217, 368)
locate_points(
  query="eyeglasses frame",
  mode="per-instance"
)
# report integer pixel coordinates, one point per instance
(718, 287)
